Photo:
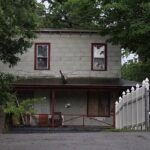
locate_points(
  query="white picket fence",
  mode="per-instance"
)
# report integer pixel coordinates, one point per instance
(132, 109)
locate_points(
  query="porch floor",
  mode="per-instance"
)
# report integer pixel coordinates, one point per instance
(56, 130)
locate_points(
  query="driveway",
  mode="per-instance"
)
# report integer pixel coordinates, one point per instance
(76, 141)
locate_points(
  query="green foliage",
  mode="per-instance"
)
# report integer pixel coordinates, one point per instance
(71, 14)
(24, 107)
(128, 24)
(124, 130)
(18, 20)
(125, 21)
(136, 71)
(6, 93)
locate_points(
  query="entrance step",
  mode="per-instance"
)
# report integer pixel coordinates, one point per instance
(55, 130)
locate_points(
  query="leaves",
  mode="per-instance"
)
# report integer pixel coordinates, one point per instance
(126, 22)
(18, 20)
(71, 14)
(128, 25)
(136, 71)
(6, 93)
(24, 107)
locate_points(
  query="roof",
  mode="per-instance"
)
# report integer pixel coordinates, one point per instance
(74, 82)
(45, 30)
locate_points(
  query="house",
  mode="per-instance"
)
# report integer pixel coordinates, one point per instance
(77, 71)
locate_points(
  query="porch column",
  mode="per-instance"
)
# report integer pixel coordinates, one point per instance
(53, 107)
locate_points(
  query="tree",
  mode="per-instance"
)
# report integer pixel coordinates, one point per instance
(125, 21)
(5, 88)
(136, 71)
(128, 24)
(71, 14)
(18, 21)
(6, 95)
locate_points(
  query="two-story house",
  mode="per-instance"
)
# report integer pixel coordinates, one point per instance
(77, 71)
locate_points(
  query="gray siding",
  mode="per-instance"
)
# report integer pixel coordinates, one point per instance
(44, 106)
(70, 53)
(74, 114)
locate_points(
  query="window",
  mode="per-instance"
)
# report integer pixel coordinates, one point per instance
(98, 104)
(99, 56)
(42, 56)
(23, 95)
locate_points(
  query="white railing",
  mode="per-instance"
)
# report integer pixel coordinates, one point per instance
(132, 109)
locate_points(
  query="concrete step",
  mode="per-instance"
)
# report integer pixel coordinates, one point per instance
(55, 130)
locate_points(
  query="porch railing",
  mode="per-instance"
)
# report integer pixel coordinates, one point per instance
(69, 120)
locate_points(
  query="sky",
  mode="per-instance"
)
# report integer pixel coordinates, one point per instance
(46, 3)
(130, 57)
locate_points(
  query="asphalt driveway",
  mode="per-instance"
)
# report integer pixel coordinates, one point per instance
(76, 141)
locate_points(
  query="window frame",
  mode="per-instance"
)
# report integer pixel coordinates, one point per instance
(36, 56)
(105, 56)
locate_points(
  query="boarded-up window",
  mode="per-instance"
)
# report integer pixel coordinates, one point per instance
(99, 56)
(98, 104)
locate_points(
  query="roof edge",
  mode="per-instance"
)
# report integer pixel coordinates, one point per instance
(65, 30)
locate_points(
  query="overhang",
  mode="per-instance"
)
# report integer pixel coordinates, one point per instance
(86, 83)
(78, 31)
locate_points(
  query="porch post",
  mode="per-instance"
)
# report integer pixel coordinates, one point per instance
(53, 108)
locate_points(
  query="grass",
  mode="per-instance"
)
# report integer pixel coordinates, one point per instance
(125, 130)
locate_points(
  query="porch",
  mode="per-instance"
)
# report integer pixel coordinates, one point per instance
(65, 120)
(79, 103)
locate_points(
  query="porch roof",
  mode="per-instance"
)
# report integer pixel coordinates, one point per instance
(74, 82)
(65, 30)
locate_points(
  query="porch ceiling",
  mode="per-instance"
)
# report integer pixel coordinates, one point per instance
(74, 82)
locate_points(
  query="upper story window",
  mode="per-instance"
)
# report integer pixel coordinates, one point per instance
(42, 56)
(99, 52)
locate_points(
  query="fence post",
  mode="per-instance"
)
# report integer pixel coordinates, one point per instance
(147, 103)
(143, 105)
(123, 110)
(132, 107)
(117, 112)
(127, 107)
(137, 103)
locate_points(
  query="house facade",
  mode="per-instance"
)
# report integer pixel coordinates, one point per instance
(77, 71)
